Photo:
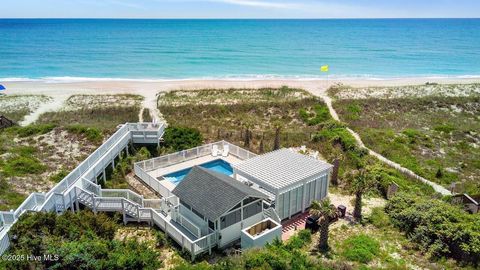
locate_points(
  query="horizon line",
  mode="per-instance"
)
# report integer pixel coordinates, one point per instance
(238, 18)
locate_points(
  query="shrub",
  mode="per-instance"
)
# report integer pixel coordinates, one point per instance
(22, 165)
(92, 134)
(379, 218)
(298, 241)
(181, 138)
(57, 177)
(34, 130)
(360, 248)
(439, 229)
(337, 135)
(320, 114)
(444, 128)
(80, 239)
(160, 239)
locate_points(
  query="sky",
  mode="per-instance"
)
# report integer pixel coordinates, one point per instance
(240, 8)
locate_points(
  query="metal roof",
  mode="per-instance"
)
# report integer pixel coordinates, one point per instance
(281, 168)
(211, 193)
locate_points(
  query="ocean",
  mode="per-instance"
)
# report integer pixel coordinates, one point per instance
(78, 49)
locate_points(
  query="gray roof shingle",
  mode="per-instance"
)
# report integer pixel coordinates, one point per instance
(211, 193)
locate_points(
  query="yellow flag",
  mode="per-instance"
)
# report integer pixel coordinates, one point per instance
(324, 68)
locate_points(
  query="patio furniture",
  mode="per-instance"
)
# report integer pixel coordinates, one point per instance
(226, 150)
(215, 150)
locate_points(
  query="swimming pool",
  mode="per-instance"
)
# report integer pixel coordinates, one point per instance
(217, 165)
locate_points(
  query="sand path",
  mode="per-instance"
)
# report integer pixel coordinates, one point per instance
(54, 105)
(438, 188)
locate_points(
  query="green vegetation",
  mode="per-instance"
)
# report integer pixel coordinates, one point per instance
(147, 117)
(32, 130)
(92, 134)
(100, 112)
(124, 166)
(22, 162)
(360, 248)
(250, 118)
(318, 115)
(326, 212)
(9, 199)
(81, 241)
(57, 177)
(379, 218)
(436, 137)
(105, 119)
(439, 228)
(23, 165)
(361, 181)
(181, 138)
(16, 107)
(276, 256)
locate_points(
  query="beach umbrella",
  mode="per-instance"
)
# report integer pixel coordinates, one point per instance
(2, 88)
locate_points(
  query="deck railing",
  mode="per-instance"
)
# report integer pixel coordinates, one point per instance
(62, 195)
(200, 151)
(143, 168)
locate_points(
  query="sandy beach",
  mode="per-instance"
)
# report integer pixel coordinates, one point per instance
(147, 88)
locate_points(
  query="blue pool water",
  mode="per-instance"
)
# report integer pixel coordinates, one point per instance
(217, 165)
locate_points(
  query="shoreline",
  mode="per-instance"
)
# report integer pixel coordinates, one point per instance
(146, 87)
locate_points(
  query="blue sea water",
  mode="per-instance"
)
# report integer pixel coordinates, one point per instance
(180, 49)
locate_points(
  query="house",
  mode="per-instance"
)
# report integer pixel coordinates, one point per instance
(219, 194)
(291, 180)
(214, 202)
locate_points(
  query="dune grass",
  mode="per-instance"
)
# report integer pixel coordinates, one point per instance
(436, 137)
(102, 112)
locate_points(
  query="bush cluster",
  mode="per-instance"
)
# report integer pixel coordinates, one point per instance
(92, 134)
(439, 228)
(360, 248)
(31, 130)
(275, 256)
(81, 241)
(23, 163)
(319, 114)
(178, 138)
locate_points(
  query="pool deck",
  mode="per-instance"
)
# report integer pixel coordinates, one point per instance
(158, 173)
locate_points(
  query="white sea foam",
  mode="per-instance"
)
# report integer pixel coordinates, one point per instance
(246, 77)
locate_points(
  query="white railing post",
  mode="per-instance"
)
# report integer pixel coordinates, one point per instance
(123, 213)
(94, 207)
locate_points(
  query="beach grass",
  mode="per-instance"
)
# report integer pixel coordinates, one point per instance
(102, 112)
(302, 119)
(436, 137)
(16, 107)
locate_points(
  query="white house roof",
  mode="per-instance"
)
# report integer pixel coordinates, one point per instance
(281, 168)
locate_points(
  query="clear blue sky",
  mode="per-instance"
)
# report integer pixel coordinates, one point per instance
(239, 8)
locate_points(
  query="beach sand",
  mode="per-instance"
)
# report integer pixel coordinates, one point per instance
(60, 91)
(146, 87)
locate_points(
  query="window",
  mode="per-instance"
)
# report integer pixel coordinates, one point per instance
(236, 206)
(211, 225)
(186, 205)
(248, 200)
(197, 213)
(252, 209)
(230, 219)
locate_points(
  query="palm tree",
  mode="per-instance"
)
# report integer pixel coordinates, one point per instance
(326, 212)
(278, 126)
(361, 182)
